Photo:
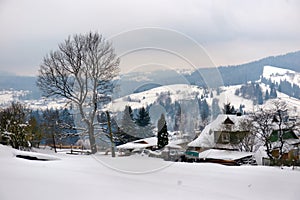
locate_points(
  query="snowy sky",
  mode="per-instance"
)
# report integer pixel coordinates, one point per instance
(231, 32)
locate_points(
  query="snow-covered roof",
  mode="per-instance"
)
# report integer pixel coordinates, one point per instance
(150, 142)
(223, 154)
(139, 144)
(173, 146)
(206, 138)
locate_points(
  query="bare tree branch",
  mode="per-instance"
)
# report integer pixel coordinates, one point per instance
(81, 70)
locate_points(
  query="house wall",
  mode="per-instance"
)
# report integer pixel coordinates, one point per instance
(235, 137)
(291, 155)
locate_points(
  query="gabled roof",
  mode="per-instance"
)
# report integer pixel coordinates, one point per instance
(206, 138)
(228, 121)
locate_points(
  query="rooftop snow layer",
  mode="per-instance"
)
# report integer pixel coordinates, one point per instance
(223, 154)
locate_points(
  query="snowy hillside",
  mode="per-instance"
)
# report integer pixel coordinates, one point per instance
(276, 75)
(135, 177)
(184, 92)
(9, 96)
(138, 100)
(180, 92)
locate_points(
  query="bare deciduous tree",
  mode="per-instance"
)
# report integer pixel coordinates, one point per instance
(268, 121)
(81, 70)
(248, 142)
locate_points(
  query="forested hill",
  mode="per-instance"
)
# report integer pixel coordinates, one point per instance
(239, 74)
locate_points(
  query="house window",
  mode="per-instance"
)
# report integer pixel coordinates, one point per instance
(225, 137)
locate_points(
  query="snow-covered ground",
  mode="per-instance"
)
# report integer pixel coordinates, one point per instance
(136, 177)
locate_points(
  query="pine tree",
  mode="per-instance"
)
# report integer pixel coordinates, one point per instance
(121, 137)
(162, 134)
(177, 116)
(273, 93)
(228, 109)
(241, 109)
(267, 95)
(130, 112)
(50, 126)
(143, 118)
(204, 110)
(127, 124)
(260, 100)
(215, 108)
(143, 123)
(35, 131)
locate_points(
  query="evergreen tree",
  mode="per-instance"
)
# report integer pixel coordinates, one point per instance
(218, 91)
(241, 109)
(177, 116)
(204, 110)
(127, 124)
(121, 137)
(273, 93)
(267, 95)
(296, 90)
(162, 134)
(228, 109)
(215, 108)
(143, 118)
(50, 126)
(144, 125)
(130, 112)
(34, 131)
(260, 100)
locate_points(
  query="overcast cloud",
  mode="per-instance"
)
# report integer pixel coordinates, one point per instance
(231, 32)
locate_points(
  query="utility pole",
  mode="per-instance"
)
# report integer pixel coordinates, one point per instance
(110, 135)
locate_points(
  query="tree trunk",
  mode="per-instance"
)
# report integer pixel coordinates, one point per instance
(53, 141)
(92, 139)
(110, 135)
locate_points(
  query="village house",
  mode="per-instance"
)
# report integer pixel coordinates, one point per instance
(224, 133)
(219, 142)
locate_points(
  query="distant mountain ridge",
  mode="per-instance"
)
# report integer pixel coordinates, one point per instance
(130, 83)
(239, 74)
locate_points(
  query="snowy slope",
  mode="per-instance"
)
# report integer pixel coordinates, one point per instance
(180, 92)
(136, 177)
(276, 74)
(9, 96)
(138, 100)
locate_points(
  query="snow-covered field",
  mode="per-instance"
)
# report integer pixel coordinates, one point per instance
(277, 74)
(137, 177)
